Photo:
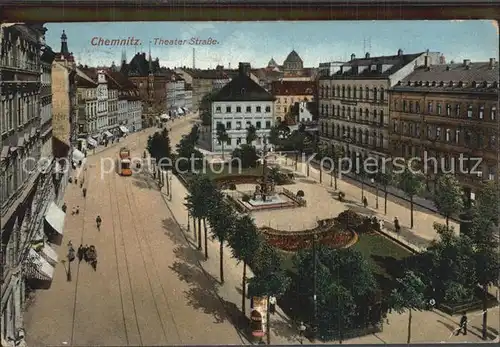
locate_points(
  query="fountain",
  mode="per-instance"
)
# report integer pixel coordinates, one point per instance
(265, 192)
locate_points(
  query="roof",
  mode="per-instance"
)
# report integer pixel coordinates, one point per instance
(453, 77)
(293, 57)
(84, 80)
(211, 74)
(392, 62)
(48, 55)
(243, 88)
(272, 63)
(293, 87)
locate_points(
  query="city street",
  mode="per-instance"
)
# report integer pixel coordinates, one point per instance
(140, 293)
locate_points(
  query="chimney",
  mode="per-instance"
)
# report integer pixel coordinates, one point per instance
(353, 56)
(426, 62)
(244, 69)
(400, 52)
(466, 62)
(367, 55)
(492, 63)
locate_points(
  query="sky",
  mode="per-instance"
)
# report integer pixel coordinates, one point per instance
(258, 42)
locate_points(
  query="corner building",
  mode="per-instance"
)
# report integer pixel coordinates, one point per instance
(239, 104)
(446, 111)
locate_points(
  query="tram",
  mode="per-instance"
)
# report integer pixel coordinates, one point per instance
(124, 162)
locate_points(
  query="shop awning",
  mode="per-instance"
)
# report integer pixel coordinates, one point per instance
(49, 254)
(77, 156)
(91, 142)
(39, 268)
(123, 129)
(108, 134)
(54, 218)
(180, 110)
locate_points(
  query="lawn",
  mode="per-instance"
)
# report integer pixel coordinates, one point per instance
(217, 170)
(384, 255)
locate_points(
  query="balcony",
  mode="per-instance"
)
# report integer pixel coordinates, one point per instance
(19, 65)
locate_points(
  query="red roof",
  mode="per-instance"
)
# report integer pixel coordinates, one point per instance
(293, 87)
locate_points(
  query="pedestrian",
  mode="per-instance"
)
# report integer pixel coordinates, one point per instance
(397, 227)
(80, 253)
(64, 207)
(84, 190)
(85, 253)
(94, 264)
(73, 211)
(463, 325)
(76, 180)
(365, 201)
(272, 305)
(98, 221)
(77, 210)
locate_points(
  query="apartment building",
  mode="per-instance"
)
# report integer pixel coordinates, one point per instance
(354, 102)
(287, 93)
(29, 183)
(241, 103)
(87, 110)
(444, 111)
(176, 95)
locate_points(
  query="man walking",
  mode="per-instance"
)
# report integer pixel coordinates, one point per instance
(98, 221)
(463, 325)
(84, 190)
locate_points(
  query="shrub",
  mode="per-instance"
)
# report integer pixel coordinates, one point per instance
(245, 198)
(232, 186)
(300, 194)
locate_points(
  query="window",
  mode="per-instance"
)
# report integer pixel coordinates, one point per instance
(481, 112)
(367, 93)
(382, 94)
(411, 106)
(448, 109)
(228, 109)
(493, 113)
(238, 141)
(238, 125)
(457, 136)
(343, 91)
(238, 109)
(467, 138)
(493, 142)
(228, 125)
(404, 105)
(429, 132)
(249, 124)
(448, 135)
(375, 92)
(268, 124)
(258, 124)
(217, 109)
(429, 107)
(438, 107)
(395, 126)
(417, 107)
(268, 109)
(258, 109)
(417, 130)
(248, 109)
(457, 110)
(469, 111)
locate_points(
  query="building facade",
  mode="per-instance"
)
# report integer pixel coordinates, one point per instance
(176, 95)
(442, 112)
(29, 181)
(87, 108)
(238, 105)
(354, 103)
(287, 93)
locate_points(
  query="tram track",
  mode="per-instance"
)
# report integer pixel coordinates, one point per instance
(132, 201)
(112, 182)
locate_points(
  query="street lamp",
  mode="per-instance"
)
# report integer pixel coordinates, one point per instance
(302, 330)
(315, 288)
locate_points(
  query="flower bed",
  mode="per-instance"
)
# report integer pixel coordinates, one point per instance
(224, 182)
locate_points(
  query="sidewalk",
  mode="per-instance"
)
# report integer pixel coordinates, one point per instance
(417, 238)
(283, 331)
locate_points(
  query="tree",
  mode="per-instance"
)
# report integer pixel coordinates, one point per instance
(247, 156)
(244, 242)
(206, 118)
(222, 220)
(385, 177)
(269, 279)
(202, 198)
(251, 135)
(296, 141)
(448, 196)
(409, 296)
(346, 289)
(336, 154)
(411, 184)
(222, 136)
(484, 226)
(158, 146)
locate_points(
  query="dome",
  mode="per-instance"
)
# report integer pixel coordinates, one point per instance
(272, 63)
(293, 57)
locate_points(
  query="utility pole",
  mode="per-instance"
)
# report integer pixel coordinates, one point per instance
(315, 280)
